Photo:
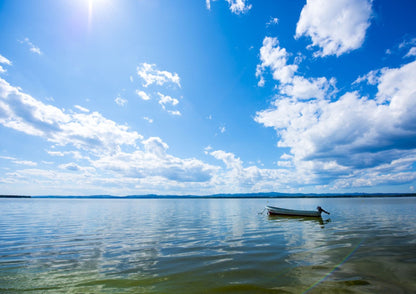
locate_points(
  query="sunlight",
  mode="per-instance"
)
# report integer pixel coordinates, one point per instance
(93, 4)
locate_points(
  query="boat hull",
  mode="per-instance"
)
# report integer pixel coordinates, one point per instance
(292, 212)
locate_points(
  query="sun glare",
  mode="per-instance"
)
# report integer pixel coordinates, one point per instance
(92, 6)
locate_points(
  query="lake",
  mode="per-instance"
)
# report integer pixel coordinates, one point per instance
(366, 245)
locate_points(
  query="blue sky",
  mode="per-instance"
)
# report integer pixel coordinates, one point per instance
(202, 97)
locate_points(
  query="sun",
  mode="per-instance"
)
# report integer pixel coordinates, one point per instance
(92, 5)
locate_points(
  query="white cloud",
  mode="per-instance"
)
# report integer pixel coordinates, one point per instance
(80, 108)
(236, 6)
(154, 161)
(228, 158)
(167, 101)
(4, 60)
(151, 75)
(73, 167)
(103, 139)
(120, 101)
(302, 88)
(331, 139)
(353, 133)
(371, 77)
(407, 43)
(412, 52)
(397, 86)
(262, 81)
(47, 182)
(56, 153)
(32, 47)
(285, 163)
(286, 156)
(239, 6)
(7, 157)
(26, 162)
(75, 154)
(337, 27)
(148, 119)
(70, 166)
(175, 112)
(207, 149)
(143, 95)
(19, 162)
(156, 146)
(87, 131)
(237, 178)
(274, 57)
(272, 21)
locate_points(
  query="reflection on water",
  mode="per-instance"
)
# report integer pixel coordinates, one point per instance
(288, 218)
(206, 245)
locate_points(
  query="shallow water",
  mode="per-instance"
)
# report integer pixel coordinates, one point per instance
(206, 246)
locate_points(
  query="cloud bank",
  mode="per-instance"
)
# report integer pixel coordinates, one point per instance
(88, 131)
(353, 136)
(99, 143)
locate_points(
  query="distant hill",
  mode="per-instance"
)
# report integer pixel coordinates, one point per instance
(225, 196)
(14, 196)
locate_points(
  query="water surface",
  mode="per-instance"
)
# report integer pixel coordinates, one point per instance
(206, 246)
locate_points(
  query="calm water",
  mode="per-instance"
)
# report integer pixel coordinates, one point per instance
(206, 246)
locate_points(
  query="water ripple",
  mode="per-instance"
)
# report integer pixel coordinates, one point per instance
(207, 245)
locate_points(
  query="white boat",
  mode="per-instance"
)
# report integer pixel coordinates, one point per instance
(292, 212)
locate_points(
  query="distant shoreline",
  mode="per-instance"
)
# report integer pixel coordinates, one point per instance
(222, 196)
(14, 196)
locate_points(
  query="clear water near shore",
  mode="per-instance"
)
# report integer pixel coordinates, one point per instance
(206, 246)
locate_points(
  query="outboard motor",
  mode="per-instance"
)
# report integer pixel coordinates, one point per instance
(320, 209)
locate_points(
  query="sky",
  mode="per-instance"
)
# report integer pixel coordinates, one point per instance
(130, 97)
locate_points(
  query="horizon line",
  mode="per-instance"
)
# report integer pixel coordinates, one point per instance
(221, 195)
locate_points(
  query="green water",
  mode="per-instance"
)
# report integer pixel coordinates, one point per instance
(206, 246)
